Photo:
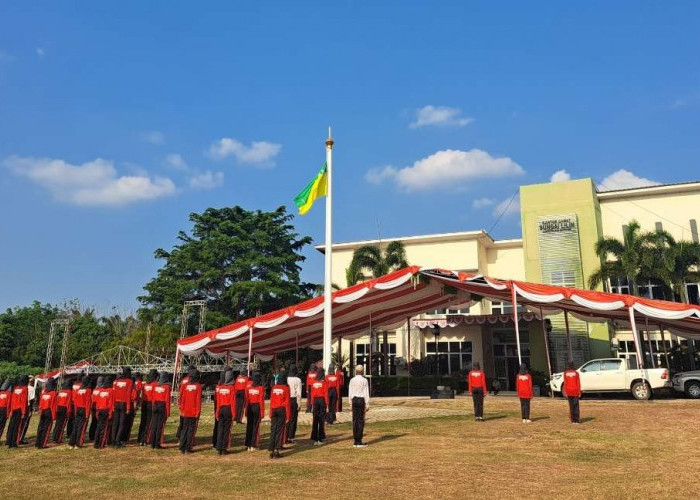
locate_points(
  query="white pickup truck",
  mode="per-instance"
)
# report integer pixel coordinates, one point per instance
(614, 375)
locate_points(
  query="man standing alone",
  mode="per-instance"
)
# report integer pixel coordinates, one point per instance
(476, 382)
(358, 395)
(572, 388)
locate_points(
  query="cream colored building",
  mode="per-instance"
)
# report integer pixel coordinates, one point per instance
(560, 224)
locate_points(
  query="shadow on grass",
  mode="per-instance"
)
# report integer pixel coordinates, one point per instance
(537, 419)
(386, 437)
(587, 419)
(495, 417)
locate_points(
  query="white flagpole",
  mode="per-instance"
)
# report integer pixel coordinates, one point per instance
(327, 289)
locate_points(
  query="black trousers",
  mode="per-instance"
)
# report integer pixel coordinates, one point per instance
(358, 419)
(574, 410)
(525, 408)
(93, 423)
(188, 433)
(80, 421)
(102, 430)
(318, 427)
(14, 429)
(145, 423)
(478, 397)
(340, 399)
(240, 404)
(277, 421)
(293, 419)
(215, 430)
(252, 428)
(61, 421)
(332, 402)
(308, 399)
(70, 422)
(179, 428)
(44, 429)
(25, 422)
(223, 432)
(3, 420)
(129, 424)
(158, 424)
(118, 423)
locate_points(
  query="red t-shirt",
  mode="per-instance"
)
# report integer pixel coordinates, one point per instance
(476, 379)
(5, 398)
(147, 393)
(241, 383)
(19, 399)
(523, 385)
(225, 396)
(47, 401)
(332, 380)
(279, 398)
(256, 395)
(572, 383)
(82, 398)
(122, 391)
(191, 401)
(319, 389)
(105, 400)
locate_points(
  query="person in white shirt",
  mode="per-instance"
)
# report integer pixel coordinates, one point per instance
(294, 383)
(358, 396)
(31, 398)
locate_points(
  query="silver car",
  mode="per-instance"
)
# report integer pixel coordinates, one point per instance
(687, 383)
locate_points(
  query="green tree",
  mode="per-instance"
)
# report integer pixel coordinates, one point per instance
(679, 265)
(242, 262)
(376, 262)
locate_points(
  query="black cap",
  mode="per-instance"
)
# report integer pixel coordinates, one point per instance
(152, 375)
(50, 384)
(164, 378)
(126, 372)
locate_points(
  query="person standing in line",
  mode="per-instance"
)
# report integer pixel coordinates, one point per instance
(122, 406)
(319, 402)
(523, 385)
(341, 383)
(190, 371)
(310, 377)
(136, 395)
(294, 383)
(71, 414)
(93, 422)
(82, 402)
(31, 395)
(5, 398)
(147, 407)
(477, 388)
(104, 409)
(225, 411)
(47, 413)
(214, 439)
(64, 404)
(572, 388)
(18, 409)
(190, 409)
(161, 410)
(255, 409)
(242, 383)
(358, 396)
(332, 383)
(280, 410)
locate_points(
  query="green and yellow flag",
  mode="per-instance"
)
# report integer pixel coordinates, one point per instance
(313, 191)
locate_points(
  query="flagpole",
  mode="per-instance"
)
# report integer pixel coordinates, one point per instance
(327, 290)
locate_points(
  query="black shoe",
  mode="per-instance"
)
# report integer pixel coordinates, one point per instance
(277, 454)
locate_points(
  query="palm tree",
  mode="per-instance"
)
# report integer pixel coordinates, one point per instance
(684, 267)
(371, 259)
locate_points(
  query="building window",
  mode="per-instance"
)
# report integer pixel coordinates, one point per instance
(563, 278)
(694, 230)
(651, 290)
(503, 307)
(619, 285)
(452, 356)
(693, 291)
(362, 352)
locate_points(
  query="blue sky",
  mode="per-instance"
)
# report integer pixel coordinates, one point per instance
(118, 120)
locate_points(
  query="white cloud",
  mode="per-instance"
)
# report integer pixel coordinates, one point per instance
(442, 116)
(483, 202)
(560, 176)
(624, 179)
(260, 153)
(40, 52)
(94, 183)
(206, 180)
(153, 136)
(174, 160)
(445, 169)
(508, 207)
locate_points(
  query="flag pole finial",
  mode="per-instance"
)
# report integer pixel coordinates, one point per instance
(329, 141)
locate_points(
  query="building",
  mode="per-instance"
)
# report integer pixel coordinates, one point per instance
(561, 222)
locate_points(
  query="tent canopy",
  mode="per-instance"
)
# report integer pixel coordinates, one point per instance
(388, 301)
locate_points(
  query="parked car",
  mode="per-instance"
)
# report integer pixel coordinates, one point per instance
(687, 383)
(615, 375)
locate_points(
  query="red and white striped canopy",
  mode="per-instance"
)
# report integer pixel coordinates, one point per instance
(69, 370)
(389, 301)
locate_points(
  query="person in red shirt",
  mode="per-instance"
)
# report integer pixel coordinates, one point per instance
(47, 413)
(476, 380)
(310, 377)
(136, 389)
(82, 403)
(104, 408)
(215, 430)
(93, 423)
(64, 404)
(333, 384)
(341, 383)
(319, 402)
(572, 389)
(122, 406)
(225, 411)
(280, 411)
(190, 409)
(77, 384)
(523, 386)
(190, 371)
(255, 409)
(161, 410)
(18, 410)
(242, 383)
(147, 407)
(5, 397)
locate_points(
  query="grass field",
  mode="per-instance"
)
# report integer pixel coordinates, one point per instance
(624, 449)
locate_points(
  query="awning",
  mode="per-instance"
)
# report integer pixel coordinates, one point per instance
(69, 370)
(387, 302)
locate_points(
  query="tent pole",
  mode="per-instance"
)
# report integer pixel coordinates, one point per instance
(635, 336)
(546, 346)
(663, 343)
(370, 354)
(651, 352)
(515, 320)
(250, 345)
(296, 354)
(568, 337)
(408, 354)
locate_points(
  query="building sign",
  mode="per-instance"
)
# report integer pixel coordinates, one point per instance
(557, 225)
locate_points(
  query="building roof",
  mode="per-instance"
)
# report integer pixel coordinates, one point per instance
(659, 189)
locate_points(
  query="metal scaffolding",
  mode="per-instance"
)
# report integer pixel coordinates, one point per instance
(65, 322)
(202, 304)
